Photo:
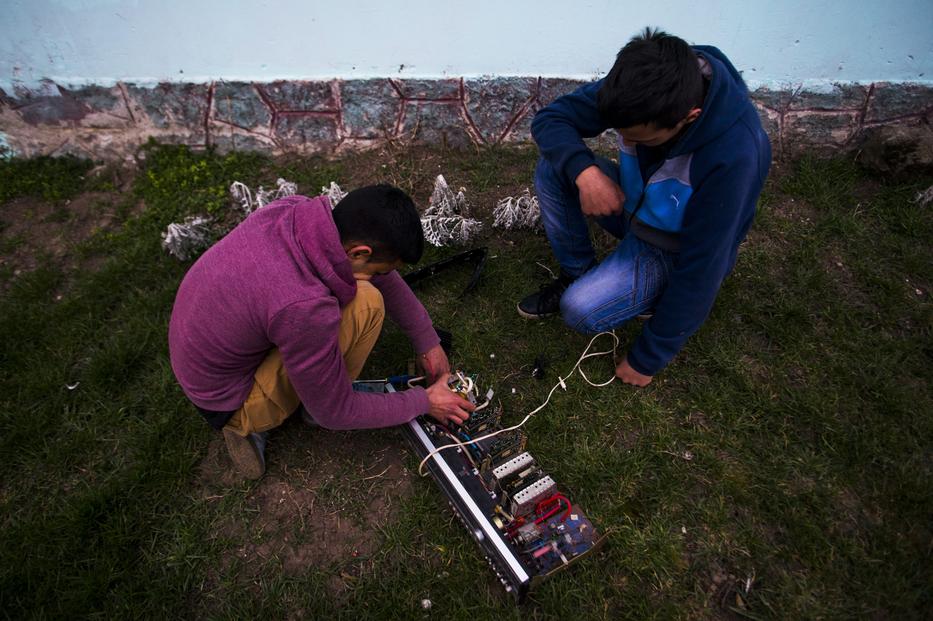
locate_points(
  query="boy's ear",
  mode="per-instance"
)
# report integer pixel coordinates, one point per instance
(358, 251)
(693, 115)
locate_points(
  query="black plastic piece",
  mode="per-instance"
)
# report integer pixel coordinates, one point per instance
(477, 257)
(447, 339)
(537, 370)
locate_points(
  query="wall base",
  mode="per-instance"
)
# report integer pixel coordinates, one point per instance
(110, 122)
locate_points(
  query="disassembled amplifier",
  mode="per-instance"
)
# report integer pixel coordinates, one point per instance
(527, 528)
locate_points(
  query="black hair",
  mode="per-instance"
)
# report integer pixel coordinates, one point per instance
(383, 217)
(656, 80)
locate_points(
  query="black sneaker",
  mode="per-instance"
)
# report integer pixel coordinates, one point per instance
(546, 301)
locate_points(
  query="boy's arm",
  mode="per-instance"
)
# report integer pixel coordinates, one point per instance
(404, 308)
(306, 334)
(717, 215)
(560, 127)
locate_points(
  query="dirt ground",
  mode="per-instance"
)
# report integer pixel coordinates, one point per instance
(31, 228)
(323, 502)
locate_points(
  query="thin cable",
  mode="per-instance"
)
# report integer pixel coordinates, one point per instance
(561, 383)
(467, 380)
(467, 453)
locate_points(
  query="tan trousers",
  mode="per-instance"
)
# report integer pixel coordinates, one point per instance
(273, 399)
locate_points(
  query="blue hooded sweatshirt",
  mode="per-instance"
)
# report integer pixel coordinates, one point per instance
(697, 199)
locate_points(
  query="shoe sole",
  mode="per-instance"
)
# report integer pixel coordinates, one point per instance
(244, 455)
(530, 316)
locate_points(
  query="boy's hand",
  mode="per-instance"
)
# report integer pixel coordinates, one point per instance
(628, 375)
(599, 195)
(434, 363)
(446, 405)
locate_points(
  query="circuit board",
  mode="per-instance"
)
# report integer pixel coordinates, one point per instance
(526, 526)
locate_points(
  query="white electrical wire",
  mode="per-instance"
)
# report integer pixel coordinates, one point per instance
(463, 378)
(560, 384)
(467, 380)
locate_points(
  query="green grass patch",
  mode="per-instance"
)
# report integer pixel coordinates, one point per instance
(779, 468)
(49, 178)
(176, 182)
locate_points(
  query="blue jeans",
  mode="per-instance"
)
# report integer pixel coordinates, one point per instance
(626, 283)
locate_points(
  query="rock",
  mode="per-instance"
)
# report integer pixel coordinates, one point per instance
(901, 148)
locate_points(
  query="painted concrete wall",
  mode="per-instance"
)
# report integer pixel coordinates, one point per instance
(97, 78)
(808, 42)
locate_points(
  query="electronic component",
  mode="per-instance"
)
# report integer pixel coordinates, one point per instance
(526, 528)
(512, 466)
(481, 421)
(501, 447)
(567, 539)
(528, 496)
(527, 533)
(519, 480)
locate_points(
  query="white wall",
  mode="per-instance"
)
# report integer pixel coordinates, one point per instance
(775, 42)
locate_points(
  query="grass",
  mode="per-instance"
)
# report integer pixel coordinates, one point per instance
(779, 468)
(51, 178)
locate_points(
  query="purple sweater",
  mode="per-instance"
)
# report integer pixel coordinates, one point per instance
(280, 279)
